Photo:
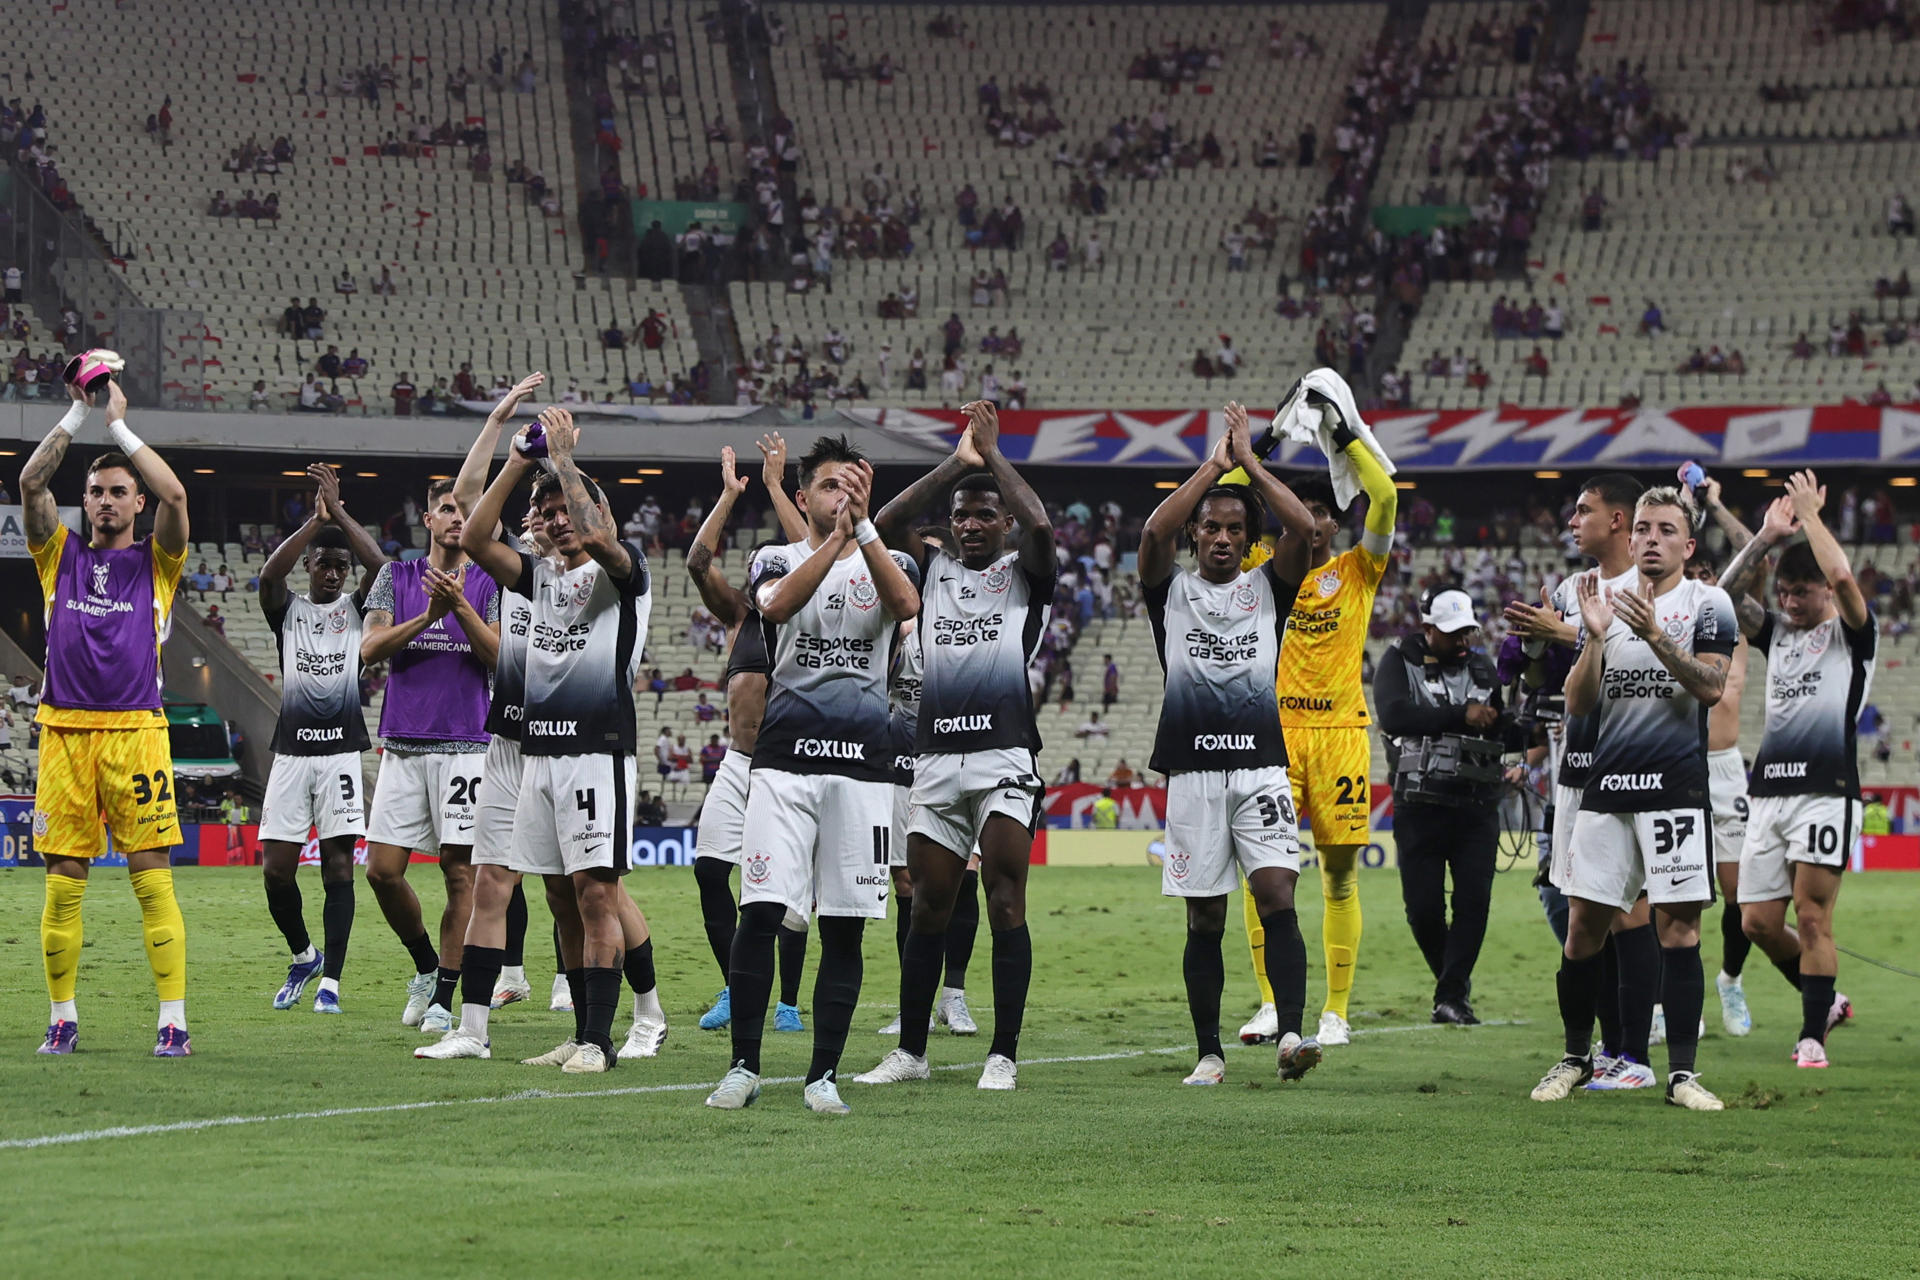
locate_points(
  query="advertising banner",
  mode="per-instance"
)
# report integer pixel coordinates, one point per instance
(1432, 440)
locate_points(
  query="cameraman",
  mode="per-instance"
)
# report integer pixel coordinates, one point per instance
(1438, 703)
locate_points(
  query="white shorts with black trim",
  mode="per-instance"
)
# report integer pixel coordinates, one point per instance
(956, 792)
(818, 843)
(1820, 830)
(1663, 853)
(427, 800)
(575, 814)
(499, 796)
(1566, 807)
(1225, 823)
(1727, 793)
(314, 793)
(723, 815)
(902, 808)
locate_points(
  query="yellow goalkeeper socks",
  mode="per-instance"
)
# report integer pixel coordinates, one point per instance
(1340, 931)
(1256, 943)
(164, 930)
(60, 938)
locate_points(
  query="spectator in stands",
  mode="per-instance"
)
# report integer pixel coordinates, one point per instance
(1122, 776)
(710, 757)
(1591, 210)
(220, 206)
(704, 711)
(257, 399)
(663, 751)
(1536, 364)
(1651, 320)
(222, 581)
(1899, 215)
(293, 320)
(1879, 397)
(214, 620)
(686, 681)
(1802, 349)
(1202, 365)
(201, 579)
(313, 320)
(329, 364)
(917, 370)
(354, 366)
(384, 286)
(402, 393)
(344, 283)
(464, 385)
(613, 339)
(22, 695)
(1226, 359)
(1093, 727)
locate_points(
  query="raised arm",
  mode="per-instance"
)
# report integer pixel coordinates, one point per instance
(1704, 675)
(1583, 682)
(477, 536)
(1160, 538)
(273, 574)
(773, 473)
(328, 505)
(1291, 512)
(592, 522)
(42, 513)
(1744, 576)
(1808, 497)
(728, 603)
(170, 519)
(1383, 500)
(1738, 535)
(898, 596)
(898, 519)
(472, 480)
(1036, 543)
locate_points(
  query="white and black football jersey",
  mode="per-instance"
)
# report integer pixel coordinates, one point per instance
(979, 628)
(903, 697)
(583, 647)
(1572, 747)
(827, 706)
(1651, 749)
(1219, 646)
(319, 677)
(1818, 678)
(507, 702)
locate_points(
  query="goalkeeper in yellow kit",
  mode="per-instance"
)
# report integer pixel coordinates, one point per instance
(1323, 709)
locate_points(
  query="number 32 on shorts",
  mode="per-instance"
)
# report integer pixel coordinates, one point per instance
(153, 787)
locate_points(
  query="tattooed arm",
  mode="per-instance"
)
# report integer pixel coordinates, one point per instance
(36, 478)
(592, 523)
(727, 602)
(1746, 574)
(1704, 675)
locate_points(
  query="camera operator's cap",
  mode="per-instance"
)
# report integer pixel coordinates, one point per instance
(1450, 611)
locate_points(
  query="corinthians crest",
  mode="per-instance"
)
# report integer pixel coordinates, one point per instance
(861, 593)
(997, 578)
(756, 868)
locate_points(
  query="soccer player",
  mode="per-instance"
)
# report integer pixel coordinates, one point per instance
(572, 821)
(1602, 529)
(1218, 629)
(820, 805)
(1656, 660)
(434, 727)
(976, 779)
(103, 743)
(315, 782)
(1727, 785)
(1323, 708)
(723, 813)
(1821, 646)
(493, 880)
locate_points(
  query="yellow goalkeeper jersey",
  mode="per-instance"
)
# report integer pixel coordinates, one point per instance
(1319, 682)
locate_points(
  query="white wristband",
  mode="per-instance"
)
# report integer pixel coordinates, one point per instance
(130, 443)
(864, 532)
(75, 419)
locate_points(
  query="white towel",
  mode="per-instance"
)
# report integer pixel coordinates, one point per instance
(1298, 420)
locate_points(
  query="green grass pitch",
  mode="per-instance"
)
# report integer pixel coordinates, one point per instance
(1415, 1150)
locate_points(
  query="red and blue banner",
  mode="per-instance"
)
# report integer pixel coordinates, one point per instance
(1433, 440)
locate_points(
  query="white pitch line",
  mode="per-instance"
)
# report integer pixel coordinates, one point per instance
(542, 1095)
